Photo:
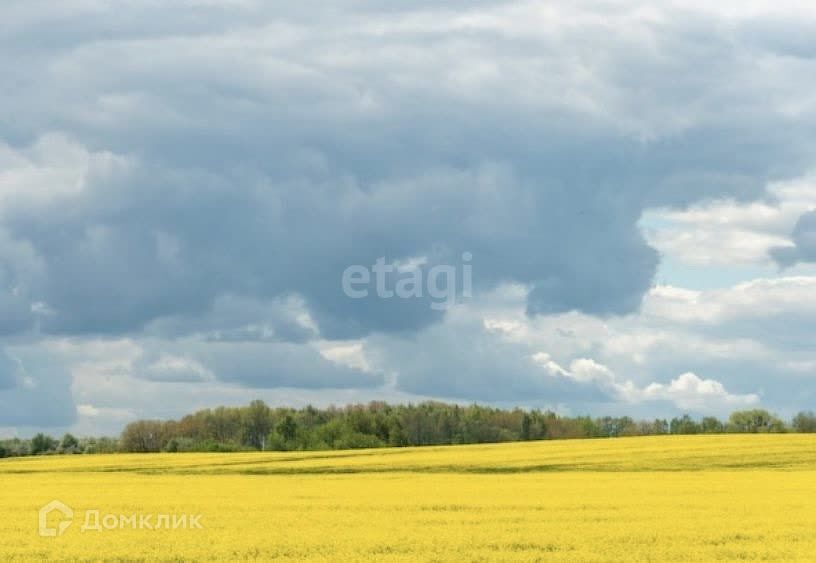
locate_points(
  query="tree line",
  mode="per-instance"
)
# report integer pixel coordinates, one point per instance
(42, 444)
(378, 424)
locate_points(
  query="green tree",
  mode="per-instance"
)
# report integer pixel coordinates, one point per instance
(69, 444)
(684, 425)
(805, 422)
(711, 425)
(287, 428)
(42, 444)
(257, 423)
(754, 420)
(526, 426)
(659, 426)
(143, 436)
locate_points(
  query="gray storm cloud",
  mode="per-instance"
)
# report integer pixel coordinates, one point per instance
(803, 238)
(263, 162)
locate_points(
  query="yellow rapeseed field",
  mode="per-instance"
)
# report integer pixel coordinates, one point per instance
(651, 498)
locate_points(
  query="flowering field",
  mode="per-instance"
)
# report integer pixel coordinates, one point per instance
(651, 498)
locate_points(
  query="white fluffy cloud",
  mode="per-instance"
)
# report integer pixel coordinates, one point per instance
(760, 300)
(729, 232)
(687, 391)
(53, 169)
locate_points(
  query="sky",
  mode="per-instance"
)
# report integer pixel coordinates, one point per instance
(623, 191)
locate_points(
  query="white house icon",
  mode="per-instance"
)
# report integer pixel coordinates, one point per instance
(67, 513)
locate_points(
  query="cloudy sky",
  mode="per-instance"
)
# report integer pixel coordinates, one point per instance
(183, 184)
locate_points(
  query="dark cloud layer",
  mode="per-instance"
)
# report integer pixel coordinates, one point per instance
(256, 364)
(8, 369)
(34, 391)
(804, 243)
(262, 163)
